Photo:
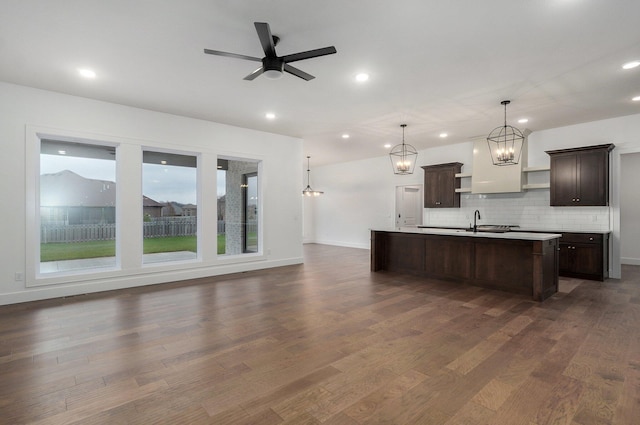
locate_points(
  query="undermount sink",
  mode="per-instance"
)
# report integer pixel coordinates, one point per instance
(491, 228)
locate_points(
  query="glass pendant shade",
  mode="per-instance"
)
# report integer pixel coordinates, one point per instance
(505, 142)
(403, 156)
(307, 190)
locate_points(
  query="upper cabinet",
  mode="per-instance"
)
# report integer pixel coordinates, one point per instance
(440, 184)
(580, 176)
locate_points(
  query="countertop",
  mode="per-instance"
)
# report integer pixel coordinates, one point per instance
(529, 236)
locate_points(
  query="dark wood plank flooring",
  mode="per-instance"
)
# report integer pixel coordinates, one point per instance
(326, 342)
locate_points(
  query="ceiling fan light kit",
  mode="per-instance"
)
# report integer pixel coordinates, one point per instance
(505, 142)
(273, 65)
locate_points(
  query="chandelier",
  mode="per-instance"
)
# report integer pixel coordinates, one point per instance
(307, 190)
(403, 156)
(505, 142)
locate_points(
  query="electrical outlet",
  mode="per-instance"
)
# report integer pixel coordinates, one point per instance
(19, 276)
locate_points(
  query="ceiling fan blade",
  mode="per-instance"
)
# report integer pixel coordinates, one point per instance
(254, 74)
(231, 55)
(309, 54)
(266, 39)
(297, 72)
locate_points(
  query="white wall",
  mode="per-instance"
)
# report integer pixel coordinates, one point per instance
(23, 109)
(630, 209)
(359, 195)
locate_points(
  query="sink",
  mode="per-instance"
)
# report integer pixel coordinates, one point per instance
(491, 228)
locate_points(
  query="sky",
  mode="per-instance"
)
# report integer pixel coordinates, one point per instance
(160, 182)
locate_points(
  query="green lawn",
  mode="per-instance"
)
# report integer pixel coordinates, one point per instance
(95, 249)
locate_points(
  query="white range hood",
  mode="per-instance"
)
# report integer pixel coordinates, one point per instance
(489, 178)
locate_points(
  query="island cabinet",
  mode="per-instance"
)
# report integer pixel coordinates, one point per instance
(580, 176)
(522, 266)
(584, 255)
(440, 184)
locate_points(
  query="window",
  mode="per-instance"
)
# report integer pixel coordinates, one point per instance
(77, 202)
(169, 207)
(238, 207)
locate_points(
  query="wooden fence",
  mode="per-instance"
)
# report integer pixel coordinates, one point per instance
(170, 226)
(50, 233)
(157, 228)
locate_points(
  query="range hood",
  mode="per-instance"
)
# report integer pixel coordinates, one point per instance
(489, 178)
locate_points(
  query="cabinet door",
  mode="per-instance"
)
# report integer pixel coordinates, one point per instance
(588, 259)
(563, 180)
(431, 188)
(592, 171)
(440, 186)
(565, 263)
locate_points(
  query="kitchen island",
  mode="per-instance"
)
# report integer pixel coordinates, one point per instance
(520, 262)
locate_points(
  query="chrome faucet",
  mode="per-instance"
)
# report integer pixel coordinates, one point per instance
(476, 215)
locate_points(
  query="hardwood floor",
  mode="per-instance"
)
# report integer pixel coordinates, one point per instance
(325, 342)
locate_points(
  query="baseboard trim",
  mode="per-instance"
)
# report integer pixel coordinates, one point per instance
(124, 282)
(630, 261)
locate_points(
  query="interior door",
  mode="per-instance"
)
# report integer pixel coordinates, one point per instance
(408, 205)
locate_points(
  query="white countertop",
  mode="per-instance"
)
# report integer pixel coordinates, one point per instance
(459, 232)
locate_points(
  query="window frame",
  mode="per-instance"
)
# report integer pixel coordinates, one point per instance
(34, 137)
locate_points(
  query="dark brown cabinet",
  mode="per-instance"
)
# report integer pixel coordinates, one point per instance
(522, 266)
(584, 255)
(440, 184)
(580, 176)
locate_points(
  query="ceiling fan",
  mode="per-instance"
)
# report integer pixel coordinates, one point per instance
(272, 64)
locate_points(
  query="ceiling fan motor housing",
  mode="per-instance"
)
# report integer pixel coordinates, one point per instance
(272, 64)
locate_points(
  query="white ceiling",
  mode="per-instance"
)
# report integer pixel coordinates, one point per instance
(438, 66)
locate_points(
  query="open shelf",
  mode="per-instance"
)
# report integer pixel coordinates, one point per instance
(534, 169)
(536, 186)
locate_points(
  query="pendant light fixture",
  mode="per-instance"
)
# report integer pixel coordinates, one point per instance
(307, 190)
(505, 142)
(403, 156)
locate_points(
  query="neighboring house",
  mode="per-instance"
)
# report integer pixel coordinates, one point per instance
(151, 208)
(189, 210)
(69, 198)
(176, 209)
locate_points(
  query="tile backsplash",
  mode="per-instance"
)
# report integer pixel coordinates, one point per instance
(529, 210)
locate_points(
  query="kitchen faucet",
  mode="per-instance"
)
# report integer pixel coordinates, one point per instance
(476, 215)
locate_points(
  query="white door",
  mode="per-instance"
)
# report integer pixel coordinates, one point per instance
(408, 205)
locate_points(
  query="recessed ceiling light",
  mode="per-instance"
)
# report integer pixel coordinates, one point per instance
(443, 135)
(523, 120)
(270, 116)
(62, 152)
(163, 162)
(387, 145)
(636, 99)
(345, 136)
(86, 73)
(362, 77)
(631, 65)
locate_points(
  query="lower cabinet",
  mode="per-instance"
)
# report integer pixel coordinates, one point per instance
(584, 255)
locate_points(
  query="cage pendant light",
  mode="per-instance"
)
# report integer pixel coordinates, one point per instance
(307, 190)
(403, 156)
(505, 142)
